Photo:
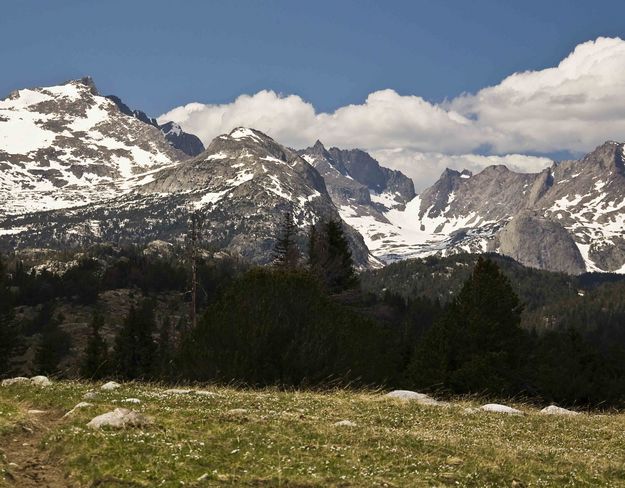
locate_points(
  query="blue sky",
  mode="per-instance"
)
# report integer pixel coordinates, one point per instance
(160, 54)
(422, 85)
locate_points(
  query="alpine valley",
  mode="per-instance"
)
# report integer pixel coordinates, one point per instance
(78, 168)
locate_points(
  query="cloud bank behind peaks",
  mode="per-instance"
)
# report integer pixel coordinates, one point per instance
(572, 107)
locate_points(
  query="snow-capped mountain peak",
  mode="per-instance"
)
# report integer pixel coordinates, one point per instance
(66, 145)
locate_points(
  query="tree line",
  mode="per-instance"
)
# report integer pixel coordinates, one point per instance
(305, 321)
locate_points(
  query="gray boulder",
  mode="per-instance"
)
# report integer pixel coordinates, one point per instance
(413, 396)
(118, 419)
(542, 243)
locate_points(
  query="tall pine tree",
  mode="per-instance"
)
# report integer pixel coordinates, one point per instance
(330, 258)
(55, 343)
(478, 344)
(165, 350)
(287, 254)
(96, 363)
(135, 348)
(7, 335)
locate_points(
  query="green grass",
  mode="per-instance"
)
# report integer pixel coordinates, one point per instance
(288, 439)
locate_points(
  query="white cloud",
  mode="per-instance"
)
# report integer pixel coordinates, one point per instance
(384, 118)
(424, 168)
(571, 107)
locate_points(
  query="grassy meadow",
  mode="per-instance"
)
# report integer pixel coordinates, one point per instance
(256, 438)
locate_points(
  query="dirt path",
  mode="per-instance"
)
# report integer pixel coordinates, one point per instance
(28, 464)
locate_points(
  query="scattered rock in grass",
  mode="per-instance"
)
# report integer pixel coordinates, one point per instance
(119, 418)
(111, 385)
(413, 396)
(189, 391)
(15, 381)
(204, 477)
(90, 395)
(131, 400)
(78, 407)
(178, 391)
(36, 412)
(555, 410)
(40, 381)
(345, 423)
(241, 414)
(205, 393)
(497, 408)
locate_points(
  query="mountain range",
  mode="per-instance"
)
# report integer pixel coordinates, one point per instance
(77, 168)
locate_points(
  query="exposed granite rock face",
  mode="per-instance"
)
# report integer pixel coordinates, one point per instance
(366, 170)
(363, 191)
(137, 114)
(187, 143)
(541, 185)
(569, 217)
(539, 242)
(495, 193)
(608, 255)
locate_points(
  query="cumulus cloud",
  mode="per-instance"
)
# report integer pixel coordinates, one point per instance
(384, 118)
(573, 107)
(426, 167)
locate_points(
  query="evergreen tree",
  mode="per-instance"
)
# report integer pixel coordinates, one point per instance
(135, 349)
(96, 363)
(55, 343)
(275, 326)
(7, 336)
(165, 349)
(330, 258)
(313, 255)
(287, 254)
(478, 344)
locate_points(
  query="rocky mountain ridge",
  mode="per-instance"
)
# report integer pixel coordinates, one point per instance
(569, 217)
(189, 144)
(78, 168)
(241, 186)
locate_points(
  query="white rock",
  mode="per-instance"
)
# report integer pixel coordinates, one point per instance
(119, 419)
(178, 391)
(345, 423)
(36, 412)
(78, 407)
(111, 385)
(40, 381)
(90, 395)
(496, 407)
(205, 393)
(15, 381)
(204, 477)
(555, 410)
(413, 396)
(131, 400)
